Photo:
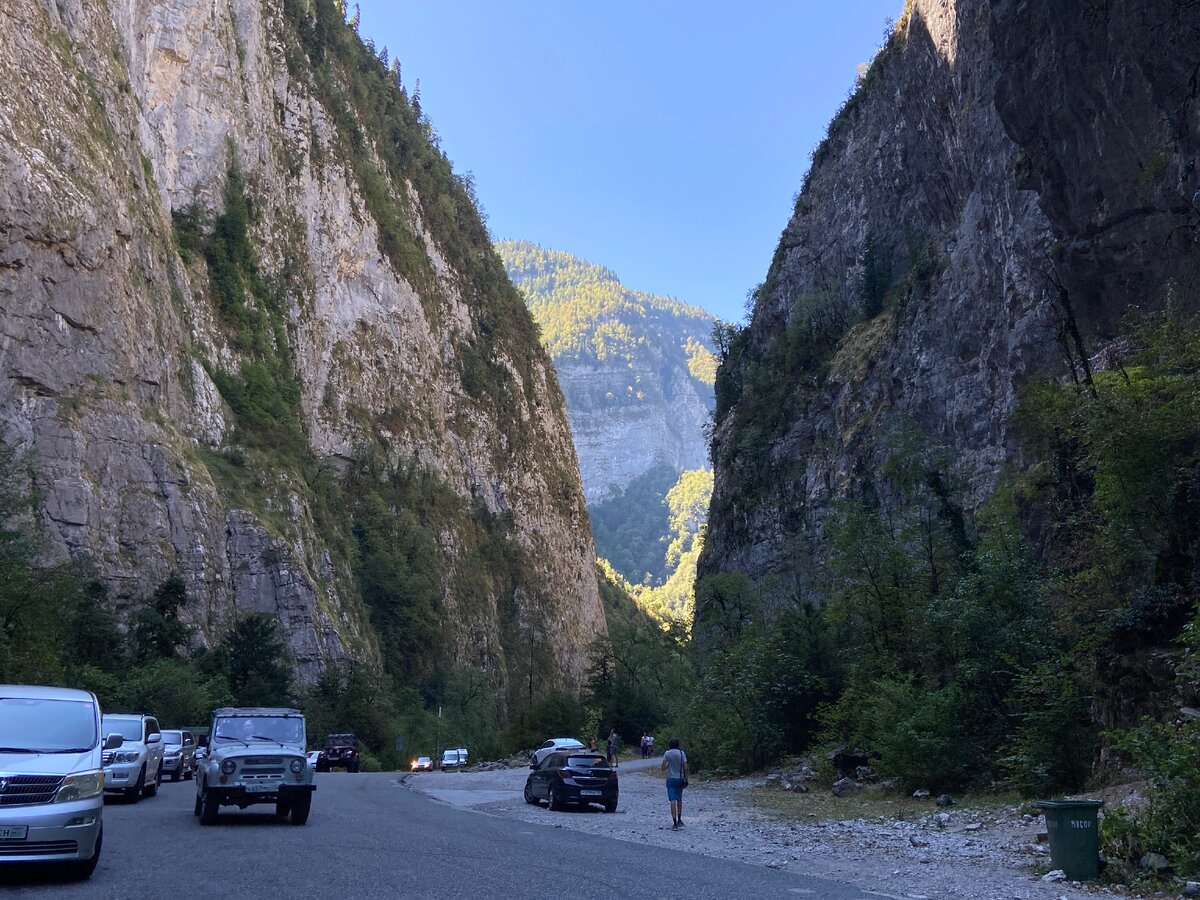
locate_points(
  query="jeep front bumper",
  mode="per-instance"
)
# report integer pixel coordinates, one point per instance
(242, 795)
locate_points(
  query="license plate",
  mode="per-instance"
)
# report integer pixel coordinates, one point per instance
(13, 832)
(589, 793)
(260, 789)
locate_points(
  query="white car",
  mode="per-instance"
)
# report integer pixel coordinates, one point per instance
(51, 783)
(134, 770)
(555, 744)
(454, 759)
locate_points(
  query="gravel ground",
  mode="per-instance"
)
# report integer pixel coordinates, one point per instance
(976, 855)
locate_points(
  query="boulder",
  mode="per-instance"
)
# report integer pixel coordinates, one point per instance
(844, 787)
(1154, 862)
(921, 794)
(944, 800)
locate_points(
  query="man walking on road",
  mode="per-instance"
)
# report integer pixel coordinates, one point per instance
(674, 763)
(614, 741)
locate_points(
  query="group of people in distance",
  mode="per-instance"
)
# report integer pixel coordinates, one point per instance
(647, 745)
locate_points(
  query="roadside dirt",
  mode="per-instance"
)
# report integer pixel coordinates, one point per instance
(974, 855)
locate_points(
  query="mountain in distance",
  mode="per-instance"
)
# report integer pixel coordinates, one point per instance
(637, 371)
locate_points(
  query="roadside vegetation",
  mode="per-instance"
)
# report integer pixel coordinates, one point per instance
(1000, 651)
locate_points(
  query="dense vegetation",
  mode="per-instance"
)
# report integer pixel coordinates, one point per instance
(630, 527)
(978, 652)
(585, 313)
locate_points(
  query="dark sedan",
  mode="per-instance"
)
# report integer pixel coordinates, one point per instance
(572, 777)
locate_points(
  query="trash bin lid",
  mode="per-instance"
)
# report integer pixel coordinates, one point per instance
(1069, 804)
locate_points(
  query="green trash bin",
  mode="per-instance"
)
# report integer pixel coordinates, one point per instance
(1074, 836)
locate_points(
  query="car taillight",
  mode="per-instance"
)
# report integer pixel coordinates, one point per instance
(569, 773)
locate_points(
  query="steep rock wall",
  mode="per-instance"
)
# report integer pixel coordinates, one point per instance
(1016, 175)
(113, 118)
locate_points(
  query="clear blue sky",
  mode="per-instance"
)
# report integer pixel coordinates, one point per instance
(663, 140)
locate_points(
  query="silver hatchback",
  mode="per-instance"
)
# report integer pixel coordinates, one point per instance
(51, 779)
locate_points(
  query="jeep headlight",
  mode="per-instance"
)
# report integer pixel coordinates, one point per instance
(297, 765)
(80, 787)
(125, 756)
(228, 766)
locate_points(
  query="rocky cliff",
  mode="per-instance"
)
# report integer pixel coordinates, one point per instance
(636, 368)
(242, 293)
(1007, 180)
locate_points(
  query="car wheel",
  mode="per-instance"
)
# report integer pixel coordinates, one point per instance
(196, 811)
(552, 799)
(282, 808)
(134, 794)
(187, 776)
(83, 870)
(529, 798)
(152, 789)
(175, 775)
(352, 767)
(610, 807)
(209, 809)
(300, 809)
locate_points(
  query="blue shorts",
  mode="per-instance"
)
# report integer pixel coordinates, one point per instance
(674, 788)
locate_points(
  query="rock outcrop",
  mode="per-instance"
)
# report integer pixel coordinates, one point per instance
(636, 368)
(122, 126)
(1007, 181)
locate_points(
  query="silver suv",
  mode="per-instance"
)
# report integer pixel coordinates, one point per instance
(179, 754)
(134, 770)
(51, 784)
(255, 755)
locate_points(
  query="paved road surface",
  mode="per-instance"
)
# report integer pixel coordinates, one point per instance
(369, 837)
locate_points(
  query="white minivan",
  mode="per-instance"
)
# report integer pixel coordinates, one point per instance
(51, 777)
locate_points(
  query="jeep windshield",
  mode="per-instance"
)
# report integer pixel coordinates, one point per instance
(38, 725)
(129, 729)
(286, 730)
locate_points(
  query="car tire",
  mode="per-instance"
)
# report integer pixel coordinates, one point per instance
(529, 798)
(82, 871)
(175, 775)
(187, 776)
(353, 767)
(209, 808)
(151, 790)
(282, 807)
(300, 808)
(552, 799)
(134, 794)
(610, 807)
(196, 811)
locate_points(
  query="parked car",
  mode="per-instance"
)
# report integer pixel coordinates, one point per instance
(454, 759)
(422, 764)
(341, 751)
(135, 770)
(179, 754)
(51, 781)
(255, 755)
(556, 744)
(572, 777)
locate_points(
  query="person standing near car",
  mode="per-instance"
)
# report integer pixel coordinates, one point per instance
(614, 741)
(675, 764)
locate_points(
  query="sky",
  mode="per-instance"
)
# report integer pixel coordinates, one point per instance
(664, 140)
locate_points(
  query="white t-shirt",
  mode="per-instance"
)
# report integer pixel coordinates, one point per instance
(675, 759)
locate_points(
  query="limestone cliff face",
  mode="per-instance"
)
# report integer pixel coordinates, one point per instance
(1011, 177)
(636, 368)
(115, 118)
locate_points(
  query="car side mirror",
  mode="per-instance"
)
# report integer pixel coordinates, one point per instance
(113, 741)
(154, 739)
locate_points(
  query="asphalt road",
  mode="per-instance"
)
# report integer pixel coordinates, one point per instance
(370, 837)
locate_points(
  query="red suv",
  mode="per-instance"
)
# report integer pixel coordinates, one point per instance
(341, 751)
